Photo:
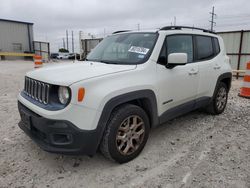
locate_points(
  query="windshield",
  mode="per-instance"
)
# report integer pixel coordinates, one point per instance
(127, 48)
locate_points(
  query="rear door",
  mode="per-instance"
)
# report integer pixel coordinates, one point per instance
(206, 52)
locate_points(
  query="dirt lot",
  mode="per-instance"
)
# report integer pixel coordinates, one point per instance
(195, 150)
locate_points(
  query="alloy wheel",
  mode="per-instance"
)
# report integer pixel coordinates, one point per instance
(130, 135)
(221, 98)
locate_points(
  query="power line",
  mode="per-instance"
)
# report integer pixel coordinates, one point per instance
(234, 15)
(234, 25)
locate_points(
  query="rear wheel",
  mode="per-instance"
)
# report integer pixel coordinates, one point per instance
(126, 133)
(219, 102)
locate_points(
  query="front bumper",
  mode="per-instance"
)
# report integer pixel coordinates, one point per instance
(57, 136)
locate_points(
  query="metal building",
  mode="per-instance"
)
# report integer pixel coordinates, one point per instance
(238, 48)
(16, 36)
(87, 45)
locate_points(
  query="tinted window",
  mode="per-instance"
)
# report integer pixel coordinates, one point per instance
(216, 46)
(180, 44)
(204, 47)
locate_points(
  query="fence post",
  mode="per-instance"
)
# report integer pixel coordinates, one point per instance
(239, 54)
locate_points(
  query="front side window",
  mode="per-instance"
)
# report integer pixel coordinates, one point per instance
(204, 47)
(126, 48)
(180, 44)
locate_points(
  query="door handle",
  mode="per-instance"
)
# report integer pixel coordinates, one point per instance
(193, 72)
(217, 67)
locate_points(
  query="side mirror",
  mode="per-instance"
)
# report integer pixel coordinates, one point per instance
(177, 59)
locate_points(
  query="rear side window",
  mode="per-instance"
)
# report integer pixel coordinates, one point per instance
(180, 44)
(216, 46)
(204, 47)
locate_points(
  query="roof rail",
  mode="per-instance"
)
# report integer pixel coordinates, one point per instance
(185, 27)
(120, 31)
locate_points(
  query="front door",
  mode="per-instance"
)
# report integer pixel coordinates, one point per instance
(177, 86)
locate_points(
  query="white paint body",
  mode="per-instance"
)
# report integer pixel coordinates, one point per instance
(103, 82)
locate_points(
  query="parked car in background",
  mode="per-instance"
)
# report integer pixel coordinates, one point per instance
(63, 56)
(54, 55)
(72, 56)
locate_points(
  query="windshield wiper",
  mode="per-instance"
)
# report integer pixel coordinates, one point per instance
(108, 62)
(94, 60)
(102, 61)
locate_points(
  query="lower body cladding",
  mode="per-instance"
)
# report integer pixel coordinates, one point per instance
(58, 136)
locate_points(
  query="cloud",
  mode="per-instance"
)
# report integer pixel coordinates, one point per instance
(52, 18)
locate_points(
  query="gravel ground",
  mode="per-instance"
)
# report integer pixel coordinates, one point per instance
(195, 150)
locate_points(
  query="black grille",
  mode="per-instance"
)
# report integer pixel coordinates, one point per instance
(37, 90)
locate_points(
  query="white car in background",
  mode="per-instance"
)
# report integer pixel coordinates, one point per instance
(63, 56)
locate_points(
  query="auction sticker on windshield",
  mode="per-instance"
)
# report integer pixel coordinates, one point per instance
(138, 50)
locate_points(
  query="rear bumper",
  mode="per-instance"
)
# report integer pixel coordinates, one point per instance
(57, 136)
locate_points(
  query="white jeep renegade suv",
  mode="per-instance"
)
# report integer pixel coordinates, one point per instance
(131, 82)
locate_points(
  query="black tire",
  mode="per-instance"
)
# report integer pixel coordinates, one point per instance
(109, 145)
(214, 107)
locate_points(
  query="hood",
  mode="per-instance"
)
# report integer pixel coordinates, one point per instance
(68, 73)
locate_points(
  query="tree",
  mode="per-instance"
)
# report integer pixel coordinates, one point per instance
(63, 50)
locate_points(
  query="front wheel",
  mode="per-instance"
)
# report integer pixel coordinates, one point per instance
(126, 134)
(219, 102)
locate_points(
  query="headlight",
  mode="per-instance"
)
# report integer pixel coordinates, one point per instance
(63, 94)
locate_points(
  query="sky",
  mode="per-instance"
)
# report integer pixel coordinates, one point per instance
(52, 18)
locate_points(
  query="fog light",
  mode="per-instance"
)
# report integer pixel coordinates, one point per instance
(61, 138)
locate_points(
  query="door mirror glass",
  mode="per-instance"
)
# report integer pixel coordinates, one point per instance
(177, 59)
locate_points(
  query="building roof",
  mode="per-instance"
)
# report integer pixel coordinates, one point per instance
(14, 21)
(235, 31)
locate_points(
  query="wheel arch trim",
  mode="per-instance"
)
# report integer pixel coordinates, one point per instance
(227, 75)
(125, 98)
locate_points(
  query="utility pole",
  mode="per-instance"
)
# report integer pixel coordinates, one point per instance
(174, 21)
(63, 43)
(138, 27)
(80, 44)
(73, 50)
(213, 16)
(67, 39)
